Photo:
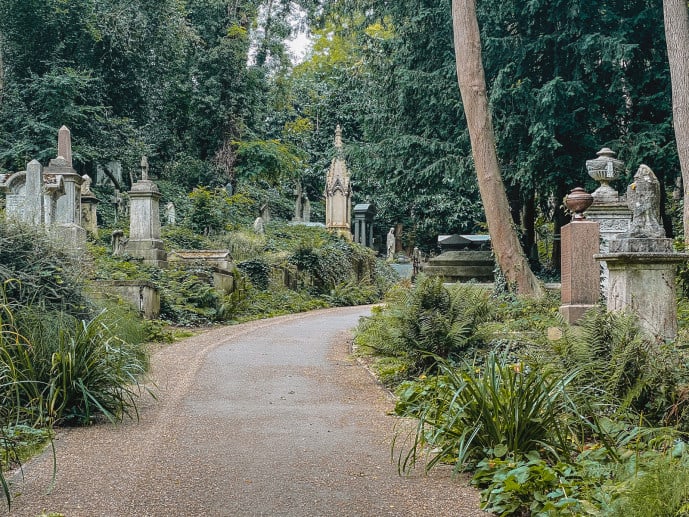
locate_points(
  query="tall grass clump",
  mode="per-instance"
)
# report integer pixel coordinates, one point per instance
(466, 413)
(58, 369)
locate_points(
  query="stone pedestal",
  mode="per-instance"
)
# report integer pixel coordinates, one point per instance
(644, 282)
(580, 271)
(614, 218)
(144, 224)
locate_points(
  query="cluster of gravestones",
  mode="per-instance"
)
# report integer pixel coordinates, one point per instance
(616, 247)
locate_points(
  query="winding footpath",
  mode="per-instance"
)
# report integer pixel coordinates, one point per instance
(269, 418)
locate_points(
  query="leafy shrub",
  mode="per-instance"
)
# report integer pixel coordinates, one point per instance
(351, 293)
(181, 238)
(258, 272)
(36, 271)
(622, 370)
(275, 302)
(530, 486)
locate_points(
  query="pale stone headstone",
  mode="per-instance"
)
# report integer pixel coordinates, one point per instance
(170, 214)
(259, 226)
(144, 221)
(33, 194)
(306, 210)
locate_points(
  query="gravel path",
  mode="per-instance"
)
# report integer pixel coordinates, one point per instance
(269, 418)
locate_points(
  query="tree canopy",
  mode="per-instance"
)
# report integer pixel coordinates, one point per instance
(206, 89)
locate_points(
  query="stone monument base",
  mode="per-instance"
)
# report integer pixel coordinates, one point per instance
(70, 235)
(645, 284)
(150, 250)
(573, 313)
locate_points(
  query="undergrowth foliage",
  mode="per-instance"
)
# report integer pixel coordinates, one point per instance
(590, 423)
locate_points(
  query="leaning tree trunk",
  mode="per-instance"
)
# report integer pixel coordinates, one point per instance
(677, 38)
(472, 86)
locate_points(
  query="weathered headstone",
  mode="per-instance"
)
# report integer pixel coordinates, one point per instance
(89, 207)
(144, 221)
(642, 262)
(170, 214)
(259, 226)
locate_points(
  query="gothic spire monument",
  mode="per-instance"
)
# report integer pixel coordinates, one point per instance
(338, 192)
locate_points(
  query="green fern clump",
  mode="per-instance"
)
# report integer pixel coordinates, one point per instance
(425, 320)
(659, 488)
(622, 370)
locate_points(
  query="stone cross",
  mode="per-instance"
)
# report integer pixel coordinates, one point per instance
(64, 144)
(144, 168)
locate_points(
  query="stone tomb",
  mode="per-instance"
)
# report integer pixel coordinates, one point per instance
(363, 224)
(463, 258)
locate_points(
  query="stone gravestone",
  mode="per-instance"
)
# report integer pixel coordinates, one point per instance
(642, 262)
(68, 207)
(580, 272)
(144, 221)
(89, 207)
(338, 192)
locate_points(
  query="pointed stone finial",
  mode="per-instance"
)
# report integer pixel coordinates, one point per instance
(144, 168)
(338, 137)
(64, 144)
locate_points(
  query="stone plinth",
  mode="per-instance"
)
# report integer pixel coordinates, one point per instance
(645, 284)
(614, 218)
(580, 271)
(144, 224)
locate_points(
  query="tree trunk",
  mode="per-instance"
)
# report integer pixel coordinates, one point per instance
(677, 38)
(472, 86)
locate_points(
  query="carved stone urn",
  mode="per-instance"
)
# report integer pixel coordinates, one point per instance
(577, 201)
(605, 168)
